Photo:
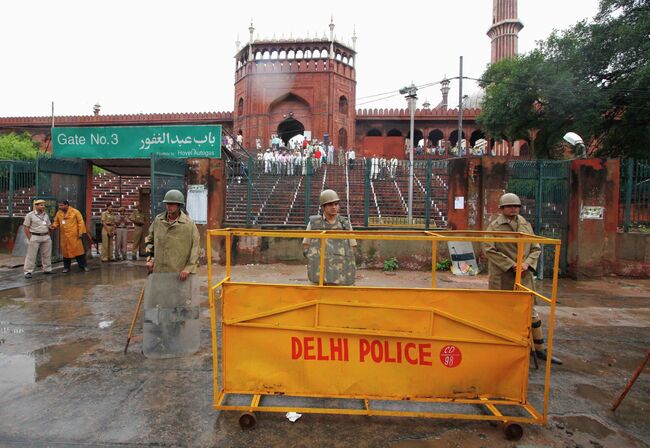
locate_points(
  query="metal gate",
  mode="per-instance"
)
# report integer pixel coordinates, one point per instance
(62, 179)
(166, 174)
(543, 186)
(17, 187)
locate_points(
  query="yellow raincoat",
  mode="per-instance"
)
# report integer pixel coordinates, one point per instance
(72, 229)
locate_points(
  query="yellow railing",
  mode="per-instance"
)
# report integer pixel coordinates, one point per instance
(271, 331)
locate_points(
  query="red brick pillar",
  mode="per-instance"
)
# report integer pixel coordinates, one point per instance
(593, 216)
(495, 184)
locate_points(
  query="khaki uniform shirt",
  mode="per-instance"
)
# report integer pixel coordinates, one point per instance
(137, 218)
(120, 220)
(175, 245)
(108, 219)
(37, 222)
(502, 257)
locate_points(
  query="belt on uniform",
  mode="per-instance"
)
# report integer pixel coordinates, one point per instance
(38, 234)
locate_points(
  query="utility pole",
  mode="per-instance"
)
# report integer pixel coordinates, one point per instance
(460, 111)
(411, 93)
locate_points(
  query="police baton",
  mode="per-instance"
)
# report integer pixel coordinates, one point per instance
(135, 317)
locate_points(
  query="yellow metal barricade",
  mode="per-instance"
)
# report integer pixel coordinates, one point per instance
(432, 345)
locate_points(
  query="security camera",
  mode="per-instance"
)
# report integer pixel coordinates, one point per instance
(576, 141)
(573, 139)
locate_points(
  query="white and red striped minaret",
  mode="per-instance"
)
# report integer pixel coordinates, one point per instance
(504, 30)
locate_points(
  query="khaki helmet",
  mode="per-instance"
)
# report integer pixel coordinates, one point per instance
(328, 196)
(509, 199)
(174, 197)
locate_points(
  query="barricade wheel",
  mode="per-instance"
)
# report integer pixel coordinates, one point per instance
(247, 420)
(513, 431)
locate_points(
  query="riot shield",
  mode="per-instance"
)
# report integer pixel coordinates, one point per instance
(171, 316)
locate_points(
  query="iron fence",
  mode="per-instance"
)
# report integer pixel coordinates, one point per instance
(543, 187)
(634, 204)
(17, 187)
(373, 192)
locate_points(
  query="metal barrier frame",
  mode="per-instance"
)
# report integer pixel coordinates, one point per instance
(510, 422)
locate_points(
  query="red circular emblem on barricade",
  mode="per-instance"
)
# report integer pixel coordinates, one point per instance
(450, 356)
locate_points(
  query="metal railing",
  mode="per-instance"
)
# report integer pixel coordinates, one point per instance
(634, 204)
(17, 187)
(373, 192)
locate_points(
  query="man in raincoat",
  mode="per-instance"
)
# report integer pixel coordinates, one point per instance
(502, 261)
(72, 231)
(173, 241)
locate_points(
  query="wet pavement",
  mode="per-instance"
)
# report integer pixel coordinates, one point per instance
(65, 381)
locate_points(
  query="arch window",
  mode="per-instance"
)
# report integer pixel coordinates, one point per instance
(267, 55)
(307, 54)
(283, 54)
(338, 57)
(343, 138)
(274, 54)
(240, 106)
(291, 54)
(258, 55)
(317, 54)
(374, 132)
(323, 53)
(343, 105)
(435, 137)
(299, 54)
(394, 133)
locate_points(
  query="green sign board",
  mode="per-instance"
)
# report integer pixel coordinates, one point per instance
(138, 142)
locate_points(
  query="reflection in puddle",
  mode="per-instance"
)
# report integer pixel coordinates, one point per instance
(22, 369)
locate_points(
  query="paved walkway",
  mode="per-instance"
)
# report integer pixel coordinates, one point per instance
(64, 380)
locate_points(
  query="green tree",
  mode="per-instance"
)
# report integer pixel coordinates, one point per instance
(18, 147)
(592, 78)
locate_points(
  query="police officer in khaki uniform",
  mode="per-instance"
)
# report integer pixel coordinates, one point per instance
(37, 230)
(173, 241)
(502, 261)
(108, 230)
(340, 267)
(138, 219)
(121, 233)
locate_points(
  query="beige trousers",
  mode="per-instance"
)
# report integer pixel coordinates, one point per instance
(42, 244)
(120, 243)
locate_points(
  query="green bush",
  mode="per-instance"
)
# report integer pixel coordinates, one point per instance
(18, 147)
(391, 264)
(443, 265)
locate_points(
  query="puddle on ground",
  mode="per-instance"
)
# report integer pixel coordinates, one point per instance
(588, 425)
(23, 369)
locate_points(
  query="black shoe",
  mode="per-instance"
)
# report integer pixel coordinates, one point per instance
(28, 275)
(541, 354)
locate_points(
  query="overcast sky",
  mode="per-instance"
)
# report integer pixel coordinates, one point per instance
(142, 56)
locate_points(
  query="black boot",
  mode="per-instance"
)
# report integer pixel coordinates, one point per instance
(541, 354)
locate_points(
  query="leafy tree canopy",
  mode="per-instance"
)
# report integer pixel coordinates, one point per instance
(18, 147)
(593, 79)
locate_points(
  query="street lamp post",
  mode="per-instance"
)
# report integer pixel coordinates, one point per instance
(411, 98)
